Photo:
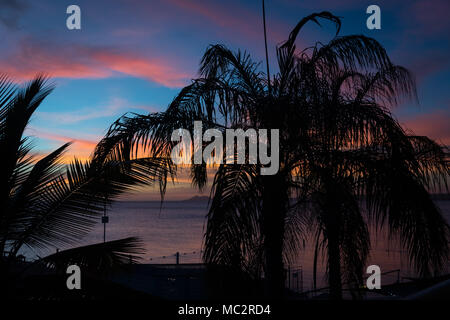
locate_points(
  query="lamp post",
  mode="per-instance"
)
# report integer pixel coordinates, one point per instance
(105, 220)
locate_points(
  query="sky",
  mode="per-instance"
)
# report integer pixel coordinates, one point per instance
(135, 56)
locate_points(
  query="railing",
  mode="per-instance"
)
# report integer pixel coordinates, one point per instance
(294, 278)
(315, 292)
(20, 257)
(178, 257)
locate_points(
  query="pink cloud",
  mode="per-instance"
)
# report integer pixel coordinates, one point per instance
(212, 12)
(429, 64)
(149, 109)
(76, 61)
(432, 16)
(155, 70)
(239, 21)
(29, 60)
(434, 125)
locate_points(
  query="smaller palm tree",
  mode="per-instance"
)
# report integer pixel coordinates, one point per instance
(46, 204)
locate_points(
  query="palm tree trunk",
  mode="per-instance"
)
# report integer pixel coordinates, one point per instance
(273, 214)
(332, 226)
(331, 219)
(334, 258)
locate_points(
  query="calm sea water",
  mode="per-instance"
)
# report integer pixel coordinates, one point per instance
(179, 227)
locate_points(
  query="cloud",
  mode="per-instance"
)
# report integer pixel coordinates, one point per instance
(237, 21)
(149, 109)
(10, 11)
(86, 144)
(81, 147)
(431, 17)
(181, 189)
(112, 109)
(429, 63)
(326, 4)
(152, 69)
(433, 125)
(115, 108)
(77, 61)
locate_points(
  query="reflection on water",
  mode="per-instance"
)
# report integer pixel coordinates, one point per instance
(388, 255)
(178, 227)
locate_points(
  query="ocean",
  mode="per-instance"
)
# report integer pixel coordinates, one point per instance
(178, 226)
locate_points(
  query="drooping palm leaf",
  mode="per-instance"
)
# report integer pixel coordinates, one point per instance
(97, 258)
(70, 205)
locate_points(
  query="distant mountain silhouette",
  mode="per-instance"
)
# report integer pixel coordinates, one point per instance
(198, 198)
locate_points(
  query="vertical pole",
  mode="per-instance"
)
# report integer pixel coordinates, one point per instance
(301, 280)
(105, 220)
(265, 44)
(104, 223)
(178, 257)
(289, 276)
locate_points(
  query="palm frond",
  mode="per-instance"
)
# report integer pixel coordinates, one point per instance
(233, 219)
(312, 17)
(70, 205)
(26, 198)
(98, 258)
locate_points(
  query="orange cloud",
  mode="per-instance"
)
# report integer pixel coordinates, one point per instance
(81, 148)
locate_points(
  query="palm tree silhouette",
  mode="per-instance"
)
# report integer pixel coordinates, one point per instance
(338, 143)
(45, 204)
